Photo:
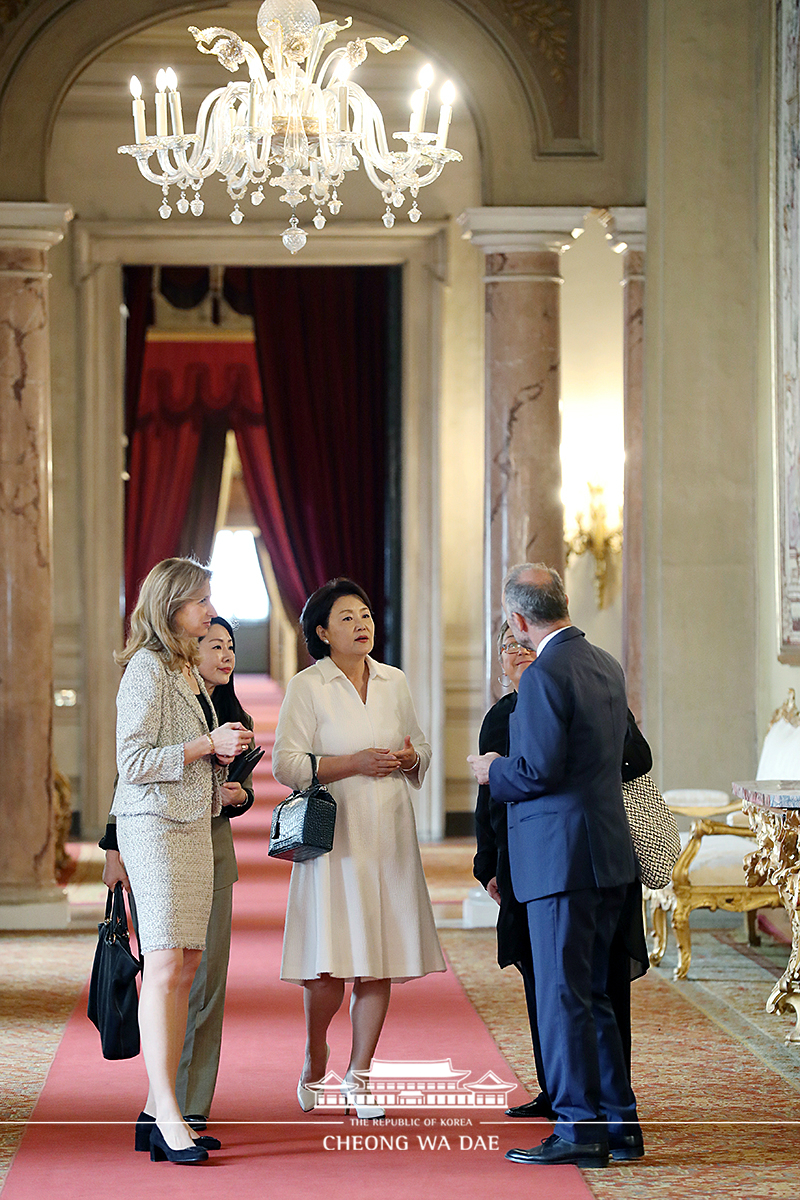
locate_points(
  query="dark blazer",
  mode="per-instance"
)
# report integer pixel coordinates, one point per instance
(567, 828)
(491, 832)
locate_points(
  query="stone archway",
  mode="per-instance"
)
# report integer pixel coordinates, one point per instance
(529, 96)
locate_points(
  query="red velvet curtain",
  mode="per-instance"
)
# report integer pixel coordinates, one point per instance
(310, 418)
(188, 390)
(137, 291)
(321, 340)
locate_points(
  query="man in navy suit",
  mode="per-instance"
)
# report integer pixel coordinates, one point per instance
(571, 862)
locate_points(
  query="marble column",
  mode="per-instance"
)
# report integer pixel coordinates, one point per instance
(29, 897)
(524, 513)
(628, 227)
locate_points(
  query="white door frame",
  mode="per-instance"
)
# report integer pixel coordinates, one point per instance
(101, 249)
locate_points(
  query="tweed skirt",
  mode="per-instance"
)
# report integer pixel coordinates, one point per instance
(171, 868)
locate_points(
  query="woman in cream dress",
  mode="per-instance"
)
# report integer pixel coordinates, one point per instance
(362, 912)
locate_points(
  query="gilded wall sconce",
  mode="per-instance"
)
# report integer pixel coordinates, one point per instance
(604, 544)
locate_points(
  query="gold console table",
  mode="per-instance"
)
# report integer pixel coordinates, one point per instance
(773, 810)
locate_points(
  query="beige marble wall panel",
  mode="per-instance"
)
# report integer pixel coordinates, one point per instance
(461, 467)
(702, 398)
(26, 619)
(633, 519)
(774, 677)
(523, 427)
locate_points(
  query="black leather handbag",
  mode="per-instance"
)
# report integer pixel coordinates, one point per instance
(303, 823)
(113, 999)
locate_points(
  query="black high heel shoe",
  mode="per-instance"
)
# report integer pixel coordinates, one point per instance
(161, 1152)
(144, 1123)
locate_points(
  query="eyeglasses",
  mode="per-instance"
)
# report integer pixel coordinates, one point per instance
(515, 648)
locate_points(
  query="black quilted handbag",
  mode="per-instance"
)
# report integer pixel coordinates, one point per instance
(303, 823)
(113, 1000)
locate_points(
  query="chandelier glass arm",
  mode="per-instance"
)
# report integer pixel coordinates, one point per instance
(325, 34)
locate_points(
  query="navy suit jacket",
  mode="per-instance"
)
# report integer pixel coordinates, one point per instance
(567, 828)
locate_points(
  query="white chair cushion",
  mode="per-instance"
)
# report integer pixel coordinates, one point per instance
(719, 861)
(738, 818)
(780, 754)
(697, 797)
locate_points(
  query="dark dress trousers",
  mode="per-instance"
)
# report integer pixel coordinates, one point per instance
(491, 862)
(572, 863)
(628, 958)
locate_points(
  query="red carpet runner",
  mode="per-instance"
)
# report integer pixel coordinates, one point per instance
(80, 1142)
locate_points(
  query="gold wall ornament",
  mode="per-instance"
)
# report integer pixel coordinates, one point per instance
(547, 26)
(62, 820)
(788, 711)
(11, 9)
(604, 544)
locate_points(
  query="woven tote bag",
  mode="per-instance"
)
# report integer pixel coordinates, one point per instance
(654, 831)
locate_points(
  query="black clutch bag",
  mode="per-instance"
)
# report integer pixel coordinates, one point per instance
(303, 823)
(243, 764)
(113, 1000)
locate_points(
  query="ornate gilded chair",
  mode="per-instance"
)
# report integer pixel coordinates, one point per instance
(709, 872)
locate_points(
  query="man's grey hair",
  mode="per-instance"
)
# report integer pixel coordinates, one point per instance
(542, 602)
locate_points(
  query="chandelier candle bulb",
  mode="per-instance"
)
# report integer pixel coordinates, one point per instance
(415, 124)
(445, 114)
(175, 110)
(139, 123)
(343, 99)
(161, 104)
(425, 81)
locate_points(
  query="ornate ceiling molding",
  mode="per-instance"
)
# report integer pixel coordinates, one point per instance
(554, 46)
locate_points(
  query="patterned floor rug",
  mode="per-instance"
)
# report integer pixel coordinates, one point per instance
(718, 1087)
(718, 1090)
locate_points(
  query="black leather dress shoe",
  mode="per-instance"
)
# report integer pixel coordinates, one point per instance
(540, 1107)
(626, 1148)
(197, 1121)
(555, 1151)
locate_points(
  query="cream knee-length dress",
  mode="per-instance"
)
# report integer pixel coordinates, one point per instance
(362, 911)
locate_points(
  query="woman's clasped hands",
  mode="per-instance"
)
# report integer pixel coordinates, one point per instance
(378, 762)
(229, 740)
(375, 762)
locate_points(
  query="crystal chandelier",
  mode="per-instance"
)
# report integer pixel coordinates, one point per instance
(299, 130)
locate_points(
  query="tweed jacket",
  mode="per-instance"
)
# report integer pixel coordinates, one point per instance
(157, 712)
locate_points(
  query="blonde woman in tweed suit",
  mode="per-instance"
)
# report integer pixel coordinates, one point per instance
(171, 757)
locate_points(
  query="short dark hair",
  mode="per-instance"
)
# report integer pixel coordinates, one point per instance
(317, 611)
(542, 602)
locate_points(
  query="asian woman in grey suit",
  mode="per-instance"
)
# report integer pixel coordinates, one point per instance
(170, 755)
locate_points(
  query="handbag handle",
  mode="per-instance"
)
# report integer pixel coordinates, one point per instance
(314, 783)
(116, 921)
